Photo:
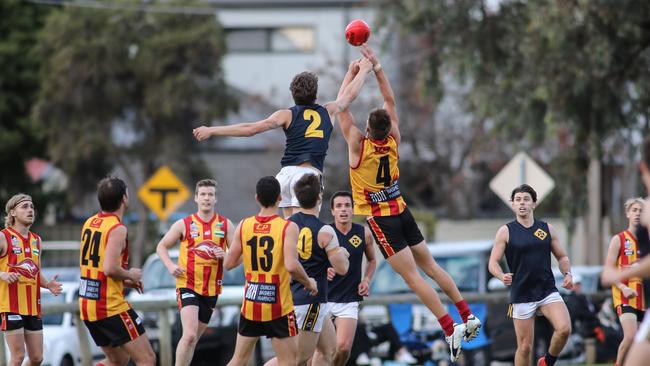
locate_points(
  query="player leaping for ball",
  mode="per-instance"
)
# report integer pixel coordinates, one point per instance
(374, 174)
(307, 127)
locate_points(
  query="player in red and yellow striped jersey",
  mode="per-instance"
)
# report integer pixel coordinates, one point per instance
(103, 260)
(204, 237)
(267, 245)
(629, 300)
(374, 175)
(20, 282)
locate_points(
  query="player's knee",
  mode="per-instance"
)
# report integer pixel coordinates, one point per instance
(564, 330)
(118, 359)
(17, 357)
(525, 348)
(344, 347)
(36, 360)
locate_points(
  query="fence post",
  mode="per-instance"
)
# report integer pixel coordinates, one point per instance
(84, 346)
(3, 357)
(164, 338)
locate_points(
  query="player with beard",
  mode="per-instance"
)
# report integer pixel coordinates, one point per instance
(203, 236)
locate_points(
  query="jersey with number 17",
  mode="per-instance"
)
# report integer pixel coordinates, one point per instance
(308, 136)
(100, 296)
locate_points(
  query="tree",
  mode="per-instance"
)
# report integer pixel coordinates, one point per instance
(560, 77)
(122, 89)
(19, 141)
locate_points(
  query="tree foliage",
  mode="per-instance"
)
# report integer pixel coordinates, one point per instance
(123, 89)
(19, 141)
(560, 78)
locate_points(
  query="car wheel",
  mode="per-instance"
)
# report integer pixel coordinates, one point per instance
(67, 361)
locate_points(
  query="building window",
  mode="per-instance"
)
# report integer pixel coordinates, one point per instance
(280, 39)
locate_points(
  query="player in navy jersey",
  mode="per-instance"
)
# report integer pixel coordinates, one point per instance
(307, 127)
(318, 247)
(345, 292)
(528, 244)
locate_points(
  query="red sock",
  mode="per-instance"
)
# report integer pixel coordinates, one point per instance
(463, 310)
(447, 324)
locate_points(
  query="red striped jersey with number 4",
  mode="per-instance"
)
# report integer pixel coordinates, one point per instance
(374, 179)
(100, 296)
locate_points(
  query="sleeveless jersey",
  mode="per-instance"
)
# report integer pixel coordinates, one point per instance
(528, 253)
(312, 257)
(628, 255)
(346, 288)
(374, 179)
(308, 136)
(23, 257)
(267, 295)
(100, 296)
(203, 270)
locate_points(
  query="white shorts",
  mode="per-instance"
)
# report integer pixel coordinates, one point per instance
(344, 309)
(643, 334)
(527, 310)
(310, 316)
(288, 176)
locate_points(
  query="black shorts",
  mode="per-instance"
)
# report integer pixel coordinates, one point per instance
(116, 330)
(282, 327)
(13, 321)
(394, 233)
(628, 309)
(206, 304)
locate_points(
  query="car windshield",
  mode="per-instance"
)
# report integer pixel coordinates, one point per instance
(156, 276)
(48, 298)
(463, 269)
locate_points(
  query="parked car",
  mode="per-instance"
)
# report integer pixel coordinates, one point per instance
(60, 340)
(221, 333)
(466, 262)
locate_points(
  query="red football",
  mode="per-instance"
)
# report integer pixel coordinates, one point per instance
(357, 32)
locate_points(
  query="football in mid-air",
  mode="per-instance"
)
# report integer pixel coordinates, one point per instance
(357, 32)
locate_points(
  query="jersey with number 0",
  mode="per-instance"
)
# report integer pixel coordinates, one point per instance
(308, 136)
(23, 257)
(628, 255)
(267, 295)
(100, 296)
(312, 257)
(203, 270)
(374, 179)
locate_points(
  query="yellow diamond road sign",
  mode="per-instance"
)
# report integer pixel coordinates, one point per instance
(522, 169)
(163, 193)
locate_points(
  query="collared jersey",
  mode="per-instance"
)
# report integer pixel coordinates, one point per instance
(628, 255)
(374, 179)
(307, 136)
(345, 288)
(23, 257)
(528, 253)
(267, 295)
(312, 257)
(203, 270)
(100, 296)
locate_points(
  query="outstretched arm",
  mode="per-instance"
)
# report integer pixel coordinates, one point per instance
(385, 89)
(351, 91)
(280, 118)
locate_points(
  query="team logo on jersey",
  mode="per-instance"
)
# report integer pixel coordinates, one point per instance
(194, 230)
(96, 223)
(382, 149)
(206, 250)
(261, 228)
(540, 234)
(14, 241)
(627, 247)
(26, 268)
(355, 241)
